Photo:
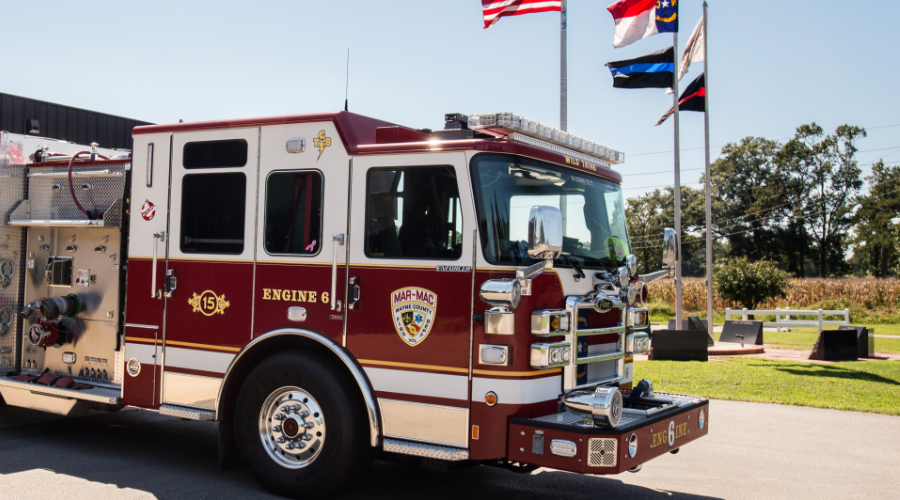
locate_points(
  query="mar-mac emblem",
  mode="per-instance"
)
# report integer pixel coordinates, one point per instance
(208, 303)
(414, 310)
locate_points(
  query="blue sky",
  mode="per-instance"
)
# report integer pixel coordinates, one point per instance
(773, 66)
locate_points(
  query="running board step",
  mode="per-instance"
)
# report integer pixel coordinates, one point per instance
(426, 450)
(186, 413)
(55, 399)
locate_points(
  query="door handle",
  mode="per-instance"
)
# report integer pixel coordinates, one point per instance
(353, 303)
(338, 240)
(154, 292)
(171, 283)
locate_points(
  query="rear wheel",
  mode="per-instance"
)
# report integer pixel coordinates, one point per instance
(299, 425)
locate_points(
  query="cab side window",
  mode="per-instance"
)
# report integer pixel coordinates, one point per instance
(413, 213)
(212, 213)
(293, 223)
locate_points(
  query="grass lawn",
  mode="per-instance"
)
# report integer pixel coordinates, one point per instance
(867, 386)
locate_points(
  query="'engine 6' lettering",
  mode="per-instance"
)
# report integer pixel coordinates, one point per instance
(670, 435)
(294, 295)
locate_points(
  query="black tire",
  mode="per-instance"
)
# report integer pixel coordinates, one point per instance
(344, 447)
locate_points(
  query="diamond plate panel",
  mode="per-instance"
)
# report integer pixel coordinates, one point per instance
(425, 450)
(566, 418)
(12, 191)
(96, 395)
(186, 413)
(42, 402)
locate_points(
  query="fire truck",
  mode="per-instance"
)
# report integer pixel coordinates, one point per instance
(332, 287)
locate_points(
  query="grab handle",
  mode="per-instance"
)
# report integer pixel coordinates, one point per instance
(157, 238)
(338, 240)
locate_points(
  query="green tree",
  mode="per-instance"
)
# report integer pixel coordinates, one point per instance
(749, 283)
(876, 228)
(823, 177)
(751, 207)
(648, 216)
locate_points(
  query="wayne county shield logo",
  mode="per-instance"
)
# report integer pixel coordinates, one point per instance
(414, 310)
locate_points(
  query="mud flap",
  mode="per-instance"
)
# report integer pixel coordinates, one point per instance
(229, 457)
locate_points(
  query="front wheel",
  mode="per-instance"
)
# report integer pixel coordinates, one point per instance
(299, 425)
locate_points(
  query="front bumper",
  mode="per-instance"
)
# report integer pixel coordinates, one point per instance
(606, 451)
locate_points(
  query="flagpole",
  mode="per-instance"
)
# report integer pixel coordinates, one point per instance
(563, 84)
(709, 244)
(675, 94)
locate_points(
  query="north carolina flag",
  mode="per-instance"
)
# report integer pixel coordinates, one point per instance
(636, 19)
(495, 9)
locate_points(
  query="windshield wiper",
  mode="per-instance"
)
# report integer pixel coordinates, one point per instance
(579, 273)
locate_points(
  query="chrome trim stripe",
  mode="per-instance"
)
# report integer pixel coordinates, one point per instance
(425, 423)
(373, 411)
(517, 392)
(435, 385)
(194, 359)
(135, 325)
(144, 353)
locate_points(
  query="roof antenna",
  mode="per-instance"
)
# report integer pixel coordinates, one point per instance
(347, 86)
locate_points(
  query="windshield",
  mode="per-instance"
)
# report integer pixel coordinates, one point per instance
(593, 211)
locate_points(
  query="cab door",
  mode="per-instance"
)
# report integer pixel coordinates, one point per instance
(303, 204)
(410, 291)
(209, 270)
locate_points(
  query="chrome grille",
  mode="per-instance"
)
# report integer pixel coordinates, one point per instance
(602, 452)
(602, 370)
(601, 349)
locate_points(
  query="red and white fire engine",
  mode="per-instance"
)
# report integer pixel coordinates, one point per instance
(328, 286)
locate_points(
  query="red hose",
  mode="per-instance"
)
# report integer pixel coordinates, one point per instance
(71, 186)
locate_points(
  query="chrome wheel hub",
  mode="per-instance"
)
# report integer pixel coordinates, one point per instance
(292, 427)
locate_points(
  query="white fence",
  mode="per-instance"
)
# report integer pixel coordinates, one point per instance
(783, 317)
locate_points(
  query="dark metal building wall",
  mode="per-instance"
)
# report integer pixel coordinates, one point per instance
(65, 122)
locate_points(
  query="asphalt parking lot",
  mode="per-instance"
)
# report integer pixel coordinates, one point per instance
(752, 451)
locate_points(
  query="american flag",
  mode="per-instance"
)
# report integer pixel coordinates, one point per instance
(495, 9)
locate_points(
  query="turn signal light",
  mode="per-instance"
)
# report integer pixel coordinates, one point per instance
(490, 398)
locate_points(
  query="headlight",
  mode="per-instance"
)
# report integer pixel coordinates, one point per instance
(503, 293)
(633, 444)
(545, 355)
(702, 419)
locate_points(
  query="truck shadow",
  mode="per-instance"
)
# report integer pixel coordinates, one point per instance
(167, 458)
(831, 371)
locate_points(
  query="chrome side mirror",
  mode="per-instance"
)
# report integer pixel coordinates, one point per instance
(670, 248)
(632, 263)
(545, 228)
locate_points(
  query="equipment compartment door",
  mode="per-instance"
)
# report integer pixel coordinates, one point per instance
(410, 291)
(209, 275)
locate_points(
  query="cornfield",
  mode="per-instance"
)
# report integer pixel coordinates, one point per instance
(802, 292)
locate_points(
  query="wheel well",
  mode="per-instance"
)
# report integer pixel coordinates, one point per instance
(270, 344)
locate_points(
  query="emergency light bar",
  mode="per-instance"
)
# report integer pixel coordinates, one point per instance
(519, 128)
